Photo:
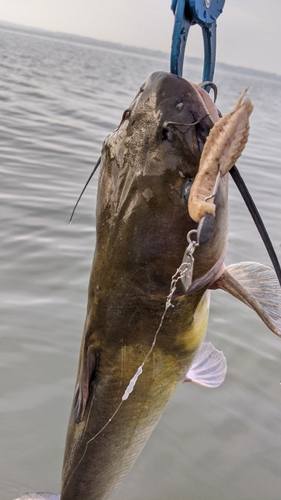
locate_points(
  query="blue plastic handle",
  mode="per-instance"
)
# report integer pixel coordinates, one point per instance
(205, 11)
(188, 13)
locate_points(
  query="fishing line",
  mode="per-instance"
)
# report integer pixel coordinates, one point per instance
(236, 176)
(179, 124)
(179, 274)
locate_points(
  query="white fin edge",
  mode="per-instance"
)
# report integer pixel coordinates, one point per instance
(208, 368)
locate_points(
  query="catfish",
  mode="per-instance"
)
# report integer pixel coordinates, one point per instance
(145, 325)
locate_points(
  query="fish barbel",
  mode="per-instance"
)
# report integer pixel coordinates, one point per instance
(132, 356)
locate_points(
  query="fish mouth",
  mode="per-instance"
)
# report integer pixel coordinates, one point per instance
(202, 110)
(209, 104)
(208, 111)
(169, 117)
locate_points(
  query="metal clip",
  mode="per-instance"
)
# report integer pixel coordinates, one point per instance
(187, 264)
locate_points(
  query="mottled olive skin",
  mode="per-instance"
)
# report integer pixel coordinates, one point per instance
(142, 223)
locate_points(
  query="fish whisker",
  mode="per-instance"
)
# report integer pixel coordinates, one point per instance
(84, 188)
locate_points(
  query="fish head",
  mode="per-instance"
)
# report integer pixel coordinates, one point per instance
(148, 164)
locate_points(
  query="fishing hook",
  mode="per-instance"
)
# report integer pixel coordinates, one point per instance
(212, 85)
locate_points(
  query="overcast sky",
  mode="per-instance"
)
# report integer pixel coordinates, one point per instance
(249, 31)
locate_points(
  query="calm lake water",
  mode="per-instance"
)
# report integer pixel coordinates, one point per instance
(59, 99)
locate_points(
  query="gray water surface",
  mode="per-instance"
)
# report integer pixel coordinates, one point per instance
(59, 100)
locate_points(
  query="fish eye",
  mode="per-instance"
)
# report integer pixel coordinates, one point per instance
(126, 115)
(186, 188)
(167, 134)
(179, 106)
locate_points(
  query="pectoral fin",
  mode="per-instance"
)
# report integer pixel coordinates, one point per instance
(86, 376)
(208, 367)
(257, 286)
